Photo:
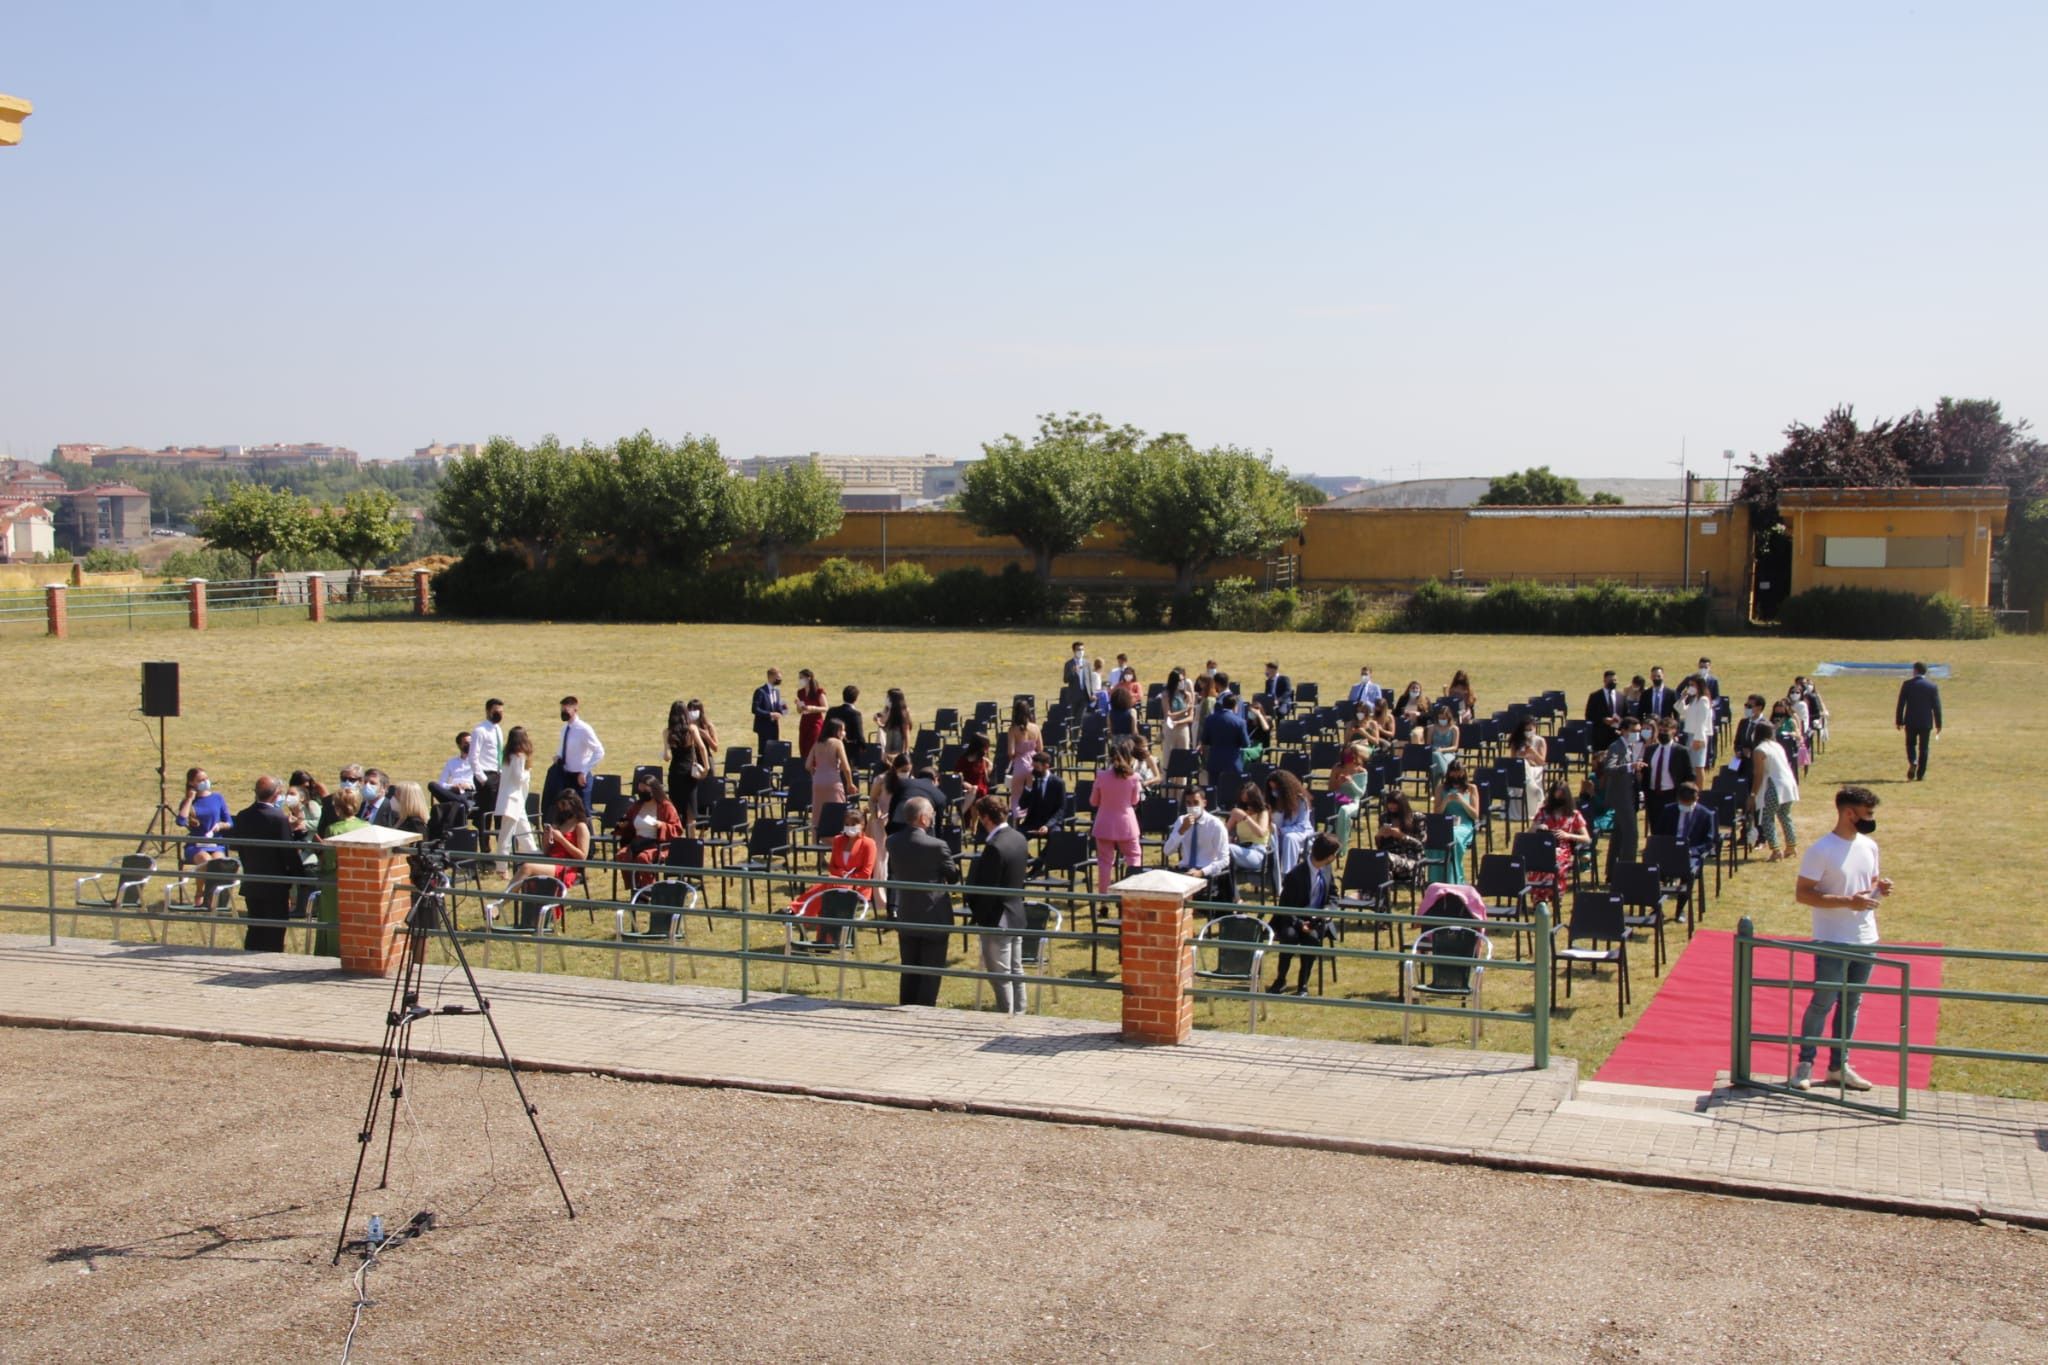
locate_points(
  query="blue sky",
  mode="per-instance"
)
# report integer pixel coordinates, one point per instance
(1371, 238)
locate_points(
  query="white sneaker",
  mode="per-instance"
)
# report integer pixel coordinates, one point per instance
(1847, 1079)
(1802, 1079)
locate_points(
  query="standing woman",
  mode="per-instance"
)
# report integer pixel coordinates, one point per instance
(897, 727)
(882, 798)
(1115, 798)
(688, 761)
(1293, 819)
(707, 733)
(1177, 704)
(515, 776)
(1205, 706)
(1534, 752)
(830, 769)
(1457, 800)
(810, 709)
(1025, 740)
(1775, 790)
(1123, 717)
(1696, 718)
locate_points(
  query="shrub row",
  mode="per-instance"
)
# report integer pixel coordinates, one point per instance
(1523, 608)
(1881, 614)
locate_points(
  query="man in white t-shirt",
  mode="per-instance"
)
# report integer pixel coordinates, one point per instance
(1839, 881)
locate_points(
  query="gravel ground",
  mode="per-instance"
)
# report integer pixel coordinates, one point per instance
(179, 1200)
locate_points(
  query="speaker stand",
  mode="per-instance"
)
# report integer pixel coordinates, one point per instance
(163, 826)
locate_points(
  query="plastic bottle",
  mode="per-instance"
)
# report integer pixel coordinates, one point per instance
(376, 1238)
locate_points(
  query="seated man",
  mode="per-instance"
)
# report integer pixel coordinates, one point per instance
(457, 784)
(1042, 805)
(1199, 845)
(1280, 688)
(1694, 826)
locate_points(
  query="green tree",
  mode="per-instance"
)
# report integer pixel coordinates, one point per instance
(1533, 487)
(363, 527)
(787, 508)
(1605, 500)
(1048, 495)
(1189, 508)
(257, 522)
(507, 496)
(675, 504)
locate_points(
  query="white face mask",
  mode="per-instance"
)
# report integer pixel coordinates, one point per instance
(695, 714)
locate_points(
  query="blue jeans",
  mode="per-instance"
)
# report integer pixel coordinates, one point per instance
(1829, 974)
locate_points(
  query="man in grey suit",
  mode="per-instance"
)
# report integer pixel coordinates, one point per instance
(915, 855)
(1919, 715)
(1002, 862)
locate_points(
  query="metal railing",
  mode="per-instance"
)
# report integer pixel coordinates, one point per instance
(1897, 957)
(1538, 927)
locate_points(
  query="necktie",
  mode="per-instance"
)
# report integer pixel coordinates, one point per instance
(1610, 701)
(564, 755)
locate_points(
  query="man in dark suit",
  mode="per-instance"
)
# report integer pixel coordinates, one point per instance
(1666, 766)
(1042, 807)
(1309, 886)
(769, 709)
(378, 807)
(1224, 740)
(269, 902)
(1280, 688)
(1754, 727)
(1604, 711)
(847, 713)
(1075, 673)
(1694, 826)
(1658, 697)
(916, 855)
(1002, 862)
(1919, 715)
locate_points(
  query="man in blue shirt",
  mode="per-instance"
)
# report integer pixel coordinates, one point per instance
(1366, 692)
(1224, 739)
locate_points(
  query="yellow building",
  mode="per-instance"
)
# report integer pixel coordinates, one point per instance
(12, 112)
(1917, 540)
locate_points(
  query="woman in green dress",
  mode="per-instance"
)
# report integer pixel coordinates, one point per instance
(1458, 799)
(327, 939)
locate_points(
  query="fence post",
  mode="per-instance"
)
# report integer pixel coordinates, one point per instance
(371, 897)
(1157, 959)
(1544, 944)
(54, 608)
(422, 596)
(78, 572)
(316, 597)
(50, 870)
(195, 611)
(1738, 1014)
(276, 588)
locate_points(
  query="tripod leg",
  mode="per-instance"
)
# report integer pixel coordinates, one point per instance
(392, 1019)
(413, 975)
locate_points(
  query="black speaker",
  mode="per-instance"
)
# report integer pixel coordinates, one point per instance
(160, 689)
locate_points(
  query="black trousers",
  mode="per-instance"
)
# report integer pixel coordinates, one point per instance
(1290, 930)
(265, 933)
(920, 948)
(559, 780)
(1655, 803)
(1917, 745)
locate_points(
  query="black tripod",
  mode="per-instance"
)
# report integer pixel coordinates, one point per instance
(163, 826)
(429, 915)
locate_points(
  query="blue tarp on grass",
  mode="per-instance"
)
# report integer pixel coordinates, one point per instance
(1838, 668)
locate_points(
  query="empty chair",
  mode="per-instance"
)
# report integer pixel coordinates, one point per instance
(1642, 904)
(1597, 918)
(121, 889)
(663, 904)
(1506, 889)
(1238, 944)
(530, 908)
(828, 932)
(207, 890)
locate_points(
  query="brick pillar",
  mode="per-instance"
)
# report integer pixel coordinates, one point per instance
(196, 607)
(77, 573)
(53, 607)
(422, 595)
(1158, 961)
(316, 597)
(371, 897)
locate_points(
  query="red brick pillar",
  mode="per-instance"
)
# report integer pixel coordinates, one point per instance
(1158, 961)
(316, 597)
(196, 606)
(422, 595)
(371, 897)
(53, 607)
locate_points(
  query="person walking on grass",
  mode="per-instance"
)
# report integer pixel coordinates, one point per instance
(1839, 881)
(1918, 714)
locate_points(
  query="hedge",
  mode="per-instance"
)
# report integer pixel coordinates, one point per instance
(1522, 608)
(1880, 614)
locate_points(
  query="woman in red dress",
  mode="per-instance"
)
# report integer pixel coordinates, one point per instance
(852, 856)
(810, 709)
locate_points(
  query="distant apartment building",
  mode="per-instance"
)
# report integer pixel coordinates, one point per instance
(437, 454)
(867, 478)
(305, 453)
(26, 530)
(105, 514)
(241, 459)
(25, 479)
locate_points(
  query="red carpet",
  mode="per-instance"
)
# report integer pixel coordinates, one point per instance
(1683, 1038)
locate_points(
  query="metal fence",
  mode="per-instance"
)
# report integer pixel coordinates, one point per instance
(1890, 957)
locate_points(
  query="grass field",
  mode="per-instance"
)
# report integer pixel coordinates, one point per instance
(1964, 847)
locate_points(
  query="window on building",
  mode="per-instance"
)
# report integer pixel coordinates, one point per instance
(1890, 552)
(1852, 552)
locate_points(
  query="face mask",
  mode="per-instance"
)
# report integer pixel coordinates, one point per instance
(695, 714)
(369, 791)
(349, 784)
(1687, 806)
(565, 717)
(1866, 826)
(1414, 691)
(205, 786)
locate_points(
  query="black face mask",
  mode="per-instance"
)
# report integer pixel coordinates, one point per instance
(1866, 826)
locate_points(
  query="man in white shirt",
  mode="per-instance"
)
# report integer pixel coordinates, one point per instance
(1365, 691)
(1199, 845)
(457, 781)
(1839, 881)
(486, 756)
(576, 758)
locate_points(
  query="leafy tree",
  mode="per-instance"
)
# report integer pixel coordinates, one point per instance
(1048, 495)
(1533, 487)
(507, 496)
(257, 522)
(787, 508)
(675, 504)
(1605, 500)
(1189, 508)
(1308, 494)
(1966, 440)
(363, 527)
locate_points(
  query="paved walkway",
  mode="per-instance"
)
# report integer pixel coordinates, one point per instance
(1959, 1155)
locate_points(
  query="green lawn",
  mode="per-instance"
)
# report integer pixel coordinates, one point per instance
(393, 692)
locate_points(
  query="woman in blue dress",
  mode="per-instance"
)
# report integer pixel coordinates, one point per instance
(204, 814)
(1457, 799)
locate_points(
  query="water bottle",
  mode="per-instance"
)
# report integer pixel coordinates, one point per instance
(376, 1238)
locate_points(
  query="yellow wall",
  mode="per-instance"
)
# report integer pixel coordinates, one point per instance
(1363, 546)
(21, 577)
(1974, 526)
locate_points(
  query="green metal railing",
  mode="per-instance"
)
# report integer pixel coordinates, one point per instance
(1538, 927)
(1895, 957)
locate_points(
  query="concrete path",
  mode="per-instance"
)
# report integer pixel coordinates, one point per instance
(1959, 1155)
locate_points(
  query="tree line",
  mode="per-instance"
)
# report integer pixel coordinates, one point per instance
(177, 493)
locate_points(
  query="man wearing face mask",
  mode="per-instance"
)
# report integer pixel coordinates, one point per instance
(378, 808)
(1666, 765)
(351, 781)
(1839, 881)
(1618, 782)
(486, 757)
(575, 758)
(1365, 692)
(1754, 727)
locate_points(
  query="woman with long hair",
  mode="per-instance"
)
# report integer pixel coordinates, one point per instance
(1115, 799)
(1562, 818)
(898, 729)
(1293, 818)
(1250, 826)
(515, 780)
(648, 826)
(810, 710)
(682, 749)
(830, 769)
(1025, 740)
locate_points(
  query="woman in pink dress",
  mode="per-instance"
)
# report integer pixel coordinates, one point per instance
(1025, 740)
(1115, 798)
